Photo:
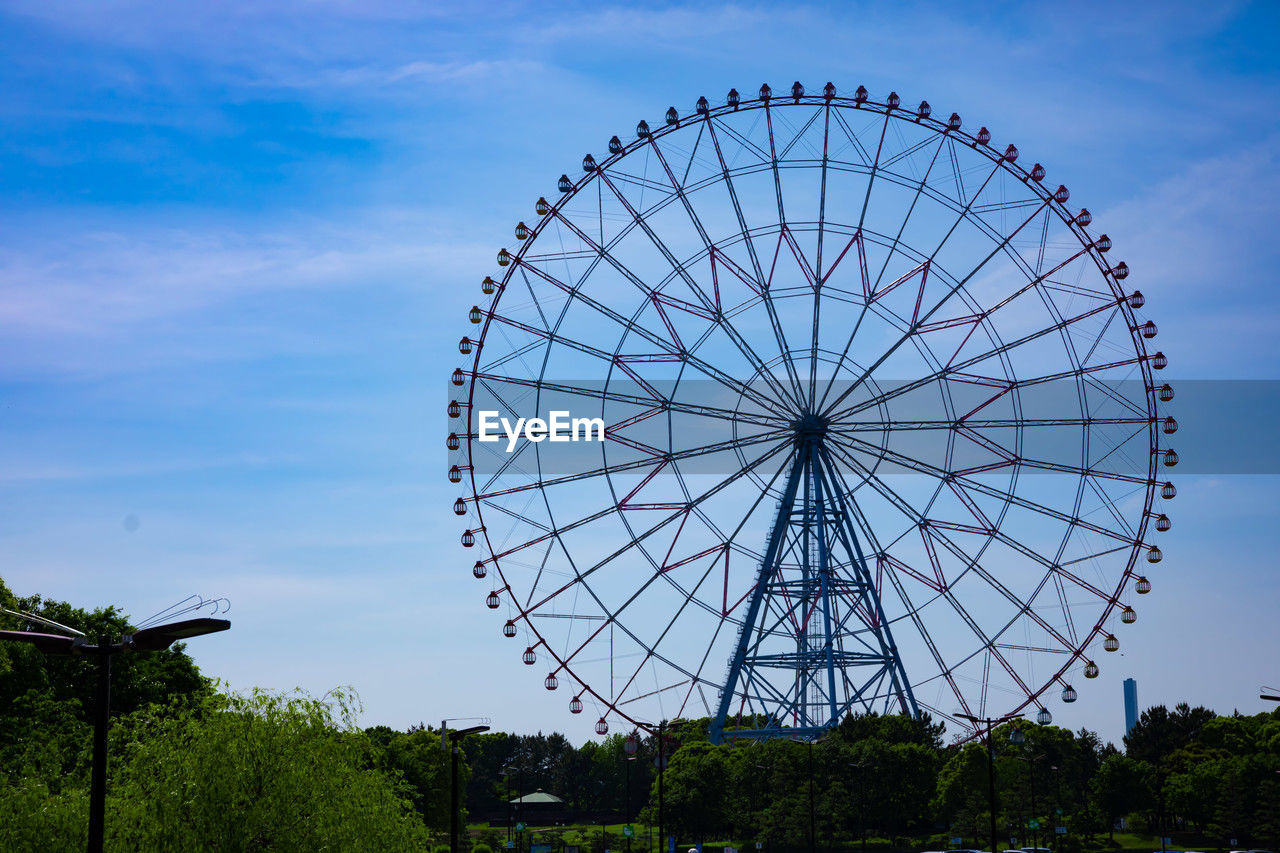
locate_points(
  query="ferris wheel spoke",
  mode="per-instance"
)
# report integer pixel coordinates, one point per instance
(652, 650)
(1111, 391)
(1119, 446)
(819, 276)
(966, 211)
(956, 372)
(853, 141)
(862, 217)
(988, 647)
(610, 619)
(546, 338)
(773, 163)
(761, 280)
(1109, 504)
(927, 527)
(1101, 336)
(1001, 247)
(518, 352)
(913, 613)
(711, 309)
(969, 483)
(919, 192)
(611, 616)
(518, 516)
(932, 529)
(640, 402)
(637, 542)
(636, 465)
(975, 424)
(739, 341)
(672, 348)
(922, 327)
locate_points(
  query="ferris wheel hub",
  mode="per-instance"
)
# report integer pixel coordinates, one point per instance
(811, 426)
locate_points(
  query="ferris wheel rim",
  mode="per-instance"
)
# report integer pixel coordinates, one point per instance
(888, 112)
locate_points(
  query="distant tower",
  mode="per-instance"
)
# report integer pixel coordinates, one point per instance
(1130, 705)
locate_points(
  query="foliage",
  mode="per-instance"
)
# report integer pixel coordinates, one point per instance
(34, 817)
(193, 769)
(258, 771)
(137, 680)
(417, 758)
(1159, 732)
(696, 780)
(1122, 785)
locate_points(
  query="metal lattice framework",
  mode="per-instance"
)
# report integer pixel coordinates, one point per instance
(880, 428)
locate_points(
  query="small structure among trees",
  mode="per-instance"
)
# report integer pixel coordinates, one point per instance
(541, 809)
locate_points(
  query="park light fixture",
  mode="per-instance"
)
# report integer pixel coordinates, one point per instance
(152, 639)
(453, 738)
(989, 723)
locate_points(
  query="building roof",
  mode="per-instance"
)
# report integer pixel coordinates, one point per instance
(538, 796)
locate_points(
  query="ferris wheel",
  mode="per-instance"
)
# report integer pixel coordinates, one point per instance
(857, 416)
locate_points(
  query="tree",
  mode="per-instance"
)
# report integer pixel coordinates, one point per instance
(137, 680)
(1159, 731)
(259, 771)
(1122, 785)
(417, 758)
(696, 780)
(961, 800)
(890, 729)
(1193, 793)
(48, 702)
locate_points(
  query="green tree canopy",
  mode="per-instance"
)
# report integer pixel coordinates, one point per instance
(259, 771)
(1121, 785)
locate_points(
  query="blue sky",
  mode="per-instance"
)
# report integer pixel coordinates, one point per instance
(238, 242)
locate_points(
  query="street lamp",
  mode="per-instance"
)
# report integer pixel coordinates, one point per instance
(505, 773)
(1031, 783)
(454, 738)
(751, 811)
(813, 841)
(153, 639)
(661, 763)
(1057, 798)
(630, 746)
(990, 723)
(862, 802)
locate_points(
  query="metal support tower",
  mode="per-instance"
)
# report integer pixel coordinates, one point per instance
(814, 644)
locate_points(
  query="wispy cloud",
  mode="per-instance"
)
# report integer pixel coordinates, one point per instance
(100, 284)
(1201, 247)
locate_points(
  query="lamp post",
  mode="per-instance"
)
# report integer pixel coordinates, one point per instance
(662, 769)
(862, 803)
(1031, 783)
(630, 746)
(454, 738)
(813, 841)
(661, 763)
(1057, 810)
(751, 812)
(990, 723)
(505, 772)
(153, 639)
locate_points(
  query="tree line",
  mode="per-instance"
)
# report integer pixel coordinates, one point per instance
(193, 767)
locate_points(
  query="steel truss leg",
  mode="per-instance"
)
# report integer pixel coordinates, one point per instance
(799, 598)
